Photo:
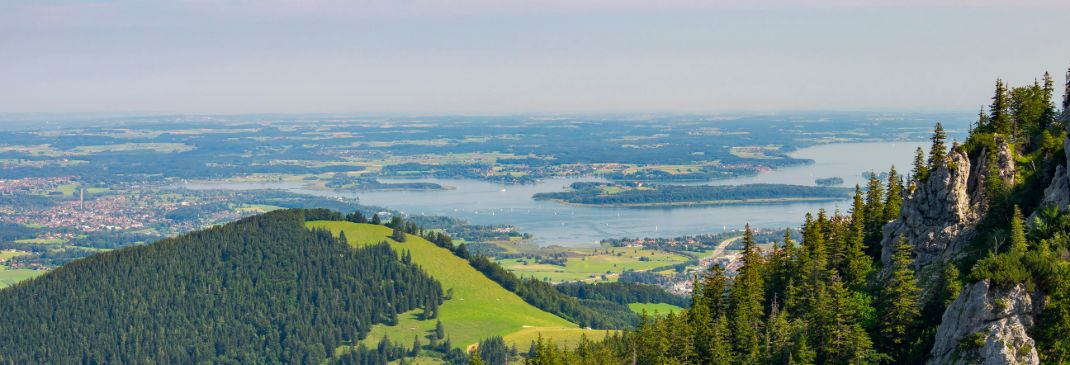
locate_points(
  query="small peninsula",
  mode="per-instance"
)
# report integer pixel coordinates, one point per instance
(651, 195)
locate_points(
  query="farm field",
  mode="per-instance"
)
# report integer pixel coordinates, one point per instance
(592, 264)
(479, 307)
(9, 277)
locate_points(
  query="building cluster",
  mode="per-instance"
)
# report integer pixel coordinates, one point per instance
(33, 185)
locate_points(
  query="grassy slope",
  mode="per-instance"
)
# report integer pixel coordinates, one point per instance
(480, 308)
(565, 337)
(651, 308)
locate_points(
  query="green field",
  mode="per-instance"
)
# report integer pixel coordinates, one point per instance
(564, 337)
(479, 308)
(11, 276)
(651, 308)
(592, 264)
(43, 241)
(8, 254)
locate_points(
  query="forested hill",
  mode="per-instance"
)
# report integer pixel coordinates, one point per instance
(261, 290)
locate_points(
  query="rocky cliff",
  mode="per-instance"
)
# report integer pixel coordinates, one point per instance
(987, 325)
(984, 324)
(1058, 192)
(938, 215)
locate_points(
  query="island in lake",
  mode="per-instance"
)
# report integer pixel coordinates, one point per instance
(829, 181)
(345, 182)
(651, 195)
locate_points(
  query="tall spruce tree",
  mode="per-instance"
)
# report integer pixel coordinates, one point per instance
(893, 199)
(938, 150)
(1048, 116)
(1000, 121)
(874, 209)
(899, 309)
(1018, 242)
(746, 301)
(921, 169)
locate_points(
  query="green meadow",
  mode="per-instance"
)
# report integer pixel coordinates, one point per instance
(651, 308)
(592, 264)
(479, 307)
(9, 277)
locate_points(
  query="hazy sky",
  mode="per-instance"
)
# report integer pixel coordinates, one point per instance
(538, 56)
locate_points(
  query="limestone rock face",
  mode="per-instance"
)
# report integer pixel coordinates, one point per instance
(1058, 192)
(987, 325)
(938, 216)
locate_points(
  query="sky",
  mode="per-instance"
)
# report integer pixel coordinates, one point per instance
(515, 57)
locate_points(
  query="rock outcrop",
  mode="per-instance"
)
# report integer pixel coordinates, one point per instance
(1058, 192)
(938, 216)
(987, 325)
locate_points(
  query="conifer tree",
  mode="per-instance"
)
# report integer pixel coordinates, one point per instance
(846, 342)
(858, 264)
(1047, 98)
(921, 169)
(778, 336)
(1000, 121)
(1019, 245)
(720, 344)
(894, 198)
(899, 301)
(874, 209)
(858, 208)
(475, 360)
(951, 284)
(746, 301)
(938, 150)
(376, 220)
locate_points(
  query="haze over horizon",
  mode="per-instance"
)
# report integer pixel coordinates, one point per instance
(483, 57)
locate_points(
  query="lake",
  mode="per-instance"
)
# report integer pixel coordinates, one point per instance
(553, 223)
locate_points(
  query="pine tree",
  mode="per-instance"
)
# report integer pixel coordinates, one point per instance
(376, 220)
(874, 209)
(746, 301)
(1000, 121)
(858, 264)
(921, 169)
(415, 346)
(899, 301)
(845, 341)
(778, 336)
(1047, 98)
(952, 286)
(1019, 245)
(474, 360)
(720, 343)
(938, 150)
(893, 200)
(440, 331)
